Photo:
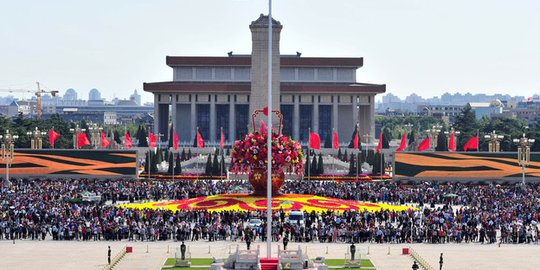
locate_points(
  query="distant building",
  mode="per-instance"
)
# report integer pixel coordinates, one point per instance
(94, 94)
(484, 108)
(10, 110)
(135, 97)
(70, 95)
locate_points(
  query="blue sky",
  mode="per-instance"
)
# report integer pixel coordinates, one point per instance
(426, 47)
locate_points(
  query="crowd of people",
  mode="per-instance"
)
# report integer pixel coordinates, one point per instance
(456, 213)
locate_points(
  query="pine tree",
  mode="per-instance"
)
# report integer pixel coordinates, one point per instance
(339, 154)
(386, 138)
(412, 137)
(208, 169)
(117, 137)
(141, 136)
(195, 139)
(320, 169)
(183, 155)
(171, 164)
(352, 168)
(314, 166)
(442, 142)
(359, 160)
(189, 155)
(222, 168)
(178, 167)
(345, 156)
(328, 140)
(307, 165)
(159, 155)
(215, 165)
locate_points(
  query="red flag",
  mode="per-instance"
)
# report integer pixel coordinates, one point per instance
(200, 140)
(104, 141)
(151, 140)
(451, 143)
(403, 143)
(472, 143)
(175, 141)
(128, 140)
(424, 145)
(336, 144)
(356, 141)
(82, 140)
(314, 141)
(265, 111)
(222, 141)
(52, 137)
(380, 143)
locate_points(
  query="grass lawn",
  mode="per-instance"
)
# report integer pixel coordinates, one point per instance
(341, 262)
(194, 261)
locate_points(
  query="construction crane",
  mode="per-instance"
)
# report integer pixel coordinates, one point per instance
(38, 94)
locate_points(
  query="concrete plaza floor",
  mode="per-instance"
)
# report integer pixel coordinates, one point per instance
(93, 255)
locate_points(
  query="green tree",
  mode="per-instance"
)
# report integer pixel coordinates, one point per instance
(352, 167)
(222, 164)
(412, 137)
(178, 168)
(307, 165)
(216, 170)
(345, 156)
(339, 154)
(320, 164)
(171, 164)
(386, 137)
(328, 140)
(117, 137)
(208, 169)
(189, 155)
(183, 157)
(351, 143)
(442, 141)
(171, 137)
(314, 165)
(141, 136)
(466, 123)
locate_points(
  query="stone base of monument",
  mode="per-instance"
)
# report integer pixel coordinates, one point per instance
(243, 260)
(352, 264)
(294, 260)
(182, 263)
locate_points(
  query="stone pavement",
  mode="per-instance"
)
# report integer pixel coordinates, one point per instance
(55, 255)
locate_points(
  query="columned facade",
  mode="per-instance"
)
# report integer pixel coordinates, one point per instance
(221, 93)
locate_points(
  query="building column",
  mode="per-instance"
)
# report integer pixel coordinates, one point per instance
(355, 110)
(316, 115)
(156, 113)
(335, 114)
(296, 119)
(372, 116)
(212, 118)
(193, 118)
(232, 121)
(173, 113)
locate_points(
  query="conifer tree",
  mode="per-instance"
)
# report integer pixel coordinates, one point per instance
(320, 169)
(215, 165)
(314, 166)
(339, 154)
(328, 140)
(178, 167)
(189, 156)
(352, 168)
(183, 157)
(208, 169)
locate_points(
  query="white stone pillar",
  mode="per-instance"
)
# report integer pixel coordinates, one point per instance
(296, 119)
(213, 121)
(355, 110)
(232, 121)
(335, 114)
(156, 113)
(316, 114)
(193, 118)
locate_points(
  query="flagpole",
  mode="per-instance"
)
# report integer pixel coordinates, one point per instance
(269, 132)
(309, 152)
(220, 163)
(381, 156)
(356, 138)
(149, 161)
(477, 141)
(333, 159)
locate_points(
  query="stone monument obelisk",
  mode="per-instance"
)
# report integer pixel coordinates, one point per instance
(259, 68)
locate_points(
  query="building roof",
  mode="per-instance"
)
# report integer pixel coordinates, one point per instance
(479, 104)
(174, 61)
(178, 86)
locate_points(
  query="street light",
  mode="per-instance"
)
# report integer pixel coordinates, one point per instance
(524, 153)
(7, 152)
(452, 131)
(433, 132)
(35, 138)
(494, 144)
(95, 132)
(76, 131)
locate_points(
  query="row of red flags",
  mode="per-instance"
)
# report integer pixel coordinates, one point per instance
(315, 142)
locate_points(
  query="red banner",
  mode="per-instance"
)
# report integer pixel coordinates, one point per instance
(424, 145)
(104, 141)
(472, 144)
(336, 144)
(82, 140)
(151, 139)
(403, 143)
(128, 141)
(200, 140)
(314, 141)
(52, 137)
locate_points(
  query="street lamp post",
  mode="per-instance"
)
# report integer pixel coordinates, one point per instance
(76, 131)
(35, 138)
(7, 152)
(494, 144)
(95, 132)
(433, 134)
(524, 153)
(449, 133)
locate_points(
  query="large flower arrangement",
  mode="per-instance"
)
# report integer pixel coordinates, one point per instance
(251, 152)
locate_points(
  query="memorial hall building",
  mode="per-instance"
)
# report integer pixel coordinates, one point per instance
(216, 93)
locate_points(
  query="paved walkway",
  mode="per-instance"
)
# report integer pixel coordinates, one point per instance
(93, 255)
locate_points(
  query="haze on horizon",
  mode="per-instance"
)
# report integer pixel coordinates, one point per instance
(420, 46)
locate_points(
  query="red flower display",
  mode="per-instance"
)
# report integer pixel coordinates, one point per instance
(251, 153)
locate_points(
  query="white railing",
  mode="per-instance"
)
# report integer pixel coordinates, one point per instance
(423, 263)
(115, 260)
